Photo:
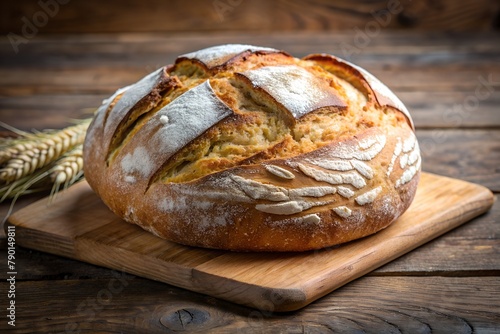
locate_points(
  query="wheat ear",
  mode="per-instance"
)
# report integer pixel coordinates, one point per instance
(67, 170)
(10, 152)
(39, 152)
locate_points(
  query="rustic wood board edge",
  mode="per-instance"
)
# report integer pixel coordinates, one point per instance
(279, 281)
(321, 272)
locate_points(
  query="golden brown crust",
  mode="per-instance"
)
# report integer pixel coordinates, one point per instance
(247, 148)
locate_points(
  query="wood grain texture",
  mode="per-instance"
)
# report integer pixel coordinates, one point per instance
(471, 249)
(96, 80)
(448, 285)
(424, 304)
(81, 16)
(447, 81)
(102, 63)
(428, 110)
(83, 228)
(477, 160)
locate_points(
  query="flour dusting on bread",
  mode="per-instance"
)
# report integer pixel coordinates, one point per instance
(294, 87)
(217, 55)
(247, 148)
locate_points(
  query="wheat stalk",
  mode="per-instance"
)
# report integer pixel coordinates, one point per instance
(10, 147)
(23, 186)
(10, 152)
(34, 162)
(67, 170)
(24, 158)
(39, 161)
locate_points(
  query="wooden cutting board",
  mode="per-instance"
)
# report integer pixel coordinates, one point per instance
(79, 226)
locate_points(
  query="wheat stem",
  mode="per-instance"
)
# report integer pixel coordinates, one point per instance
(22, 188)
(18, 187)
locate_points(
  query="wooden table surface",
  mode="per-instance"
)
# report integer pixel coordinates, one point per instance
(450, 83)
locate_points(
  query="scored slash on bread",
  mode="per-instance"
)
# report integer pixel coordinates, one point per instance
(247, 148)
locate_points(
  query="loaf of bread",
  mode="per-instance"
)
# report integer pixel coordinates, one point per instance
(247, 148)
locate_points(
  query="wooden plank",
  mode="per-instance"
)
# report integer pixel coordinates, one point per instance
(475, 251)
(401, 49)
(58, 230)
(48, 111)
(453, 109)
(401, 41)
(83, 228)
(124, 303)
(103, 63)
(471, 249)
(106, 79)
(95, 80)
(406, 295)
(396, 49)
(257, 15)
(39, 266)
(472, 155)
(428, 109)
(22, 202)
(319, 273)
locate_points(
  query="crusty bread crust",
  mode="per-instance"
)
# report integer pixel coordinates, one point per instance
(246, 148)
